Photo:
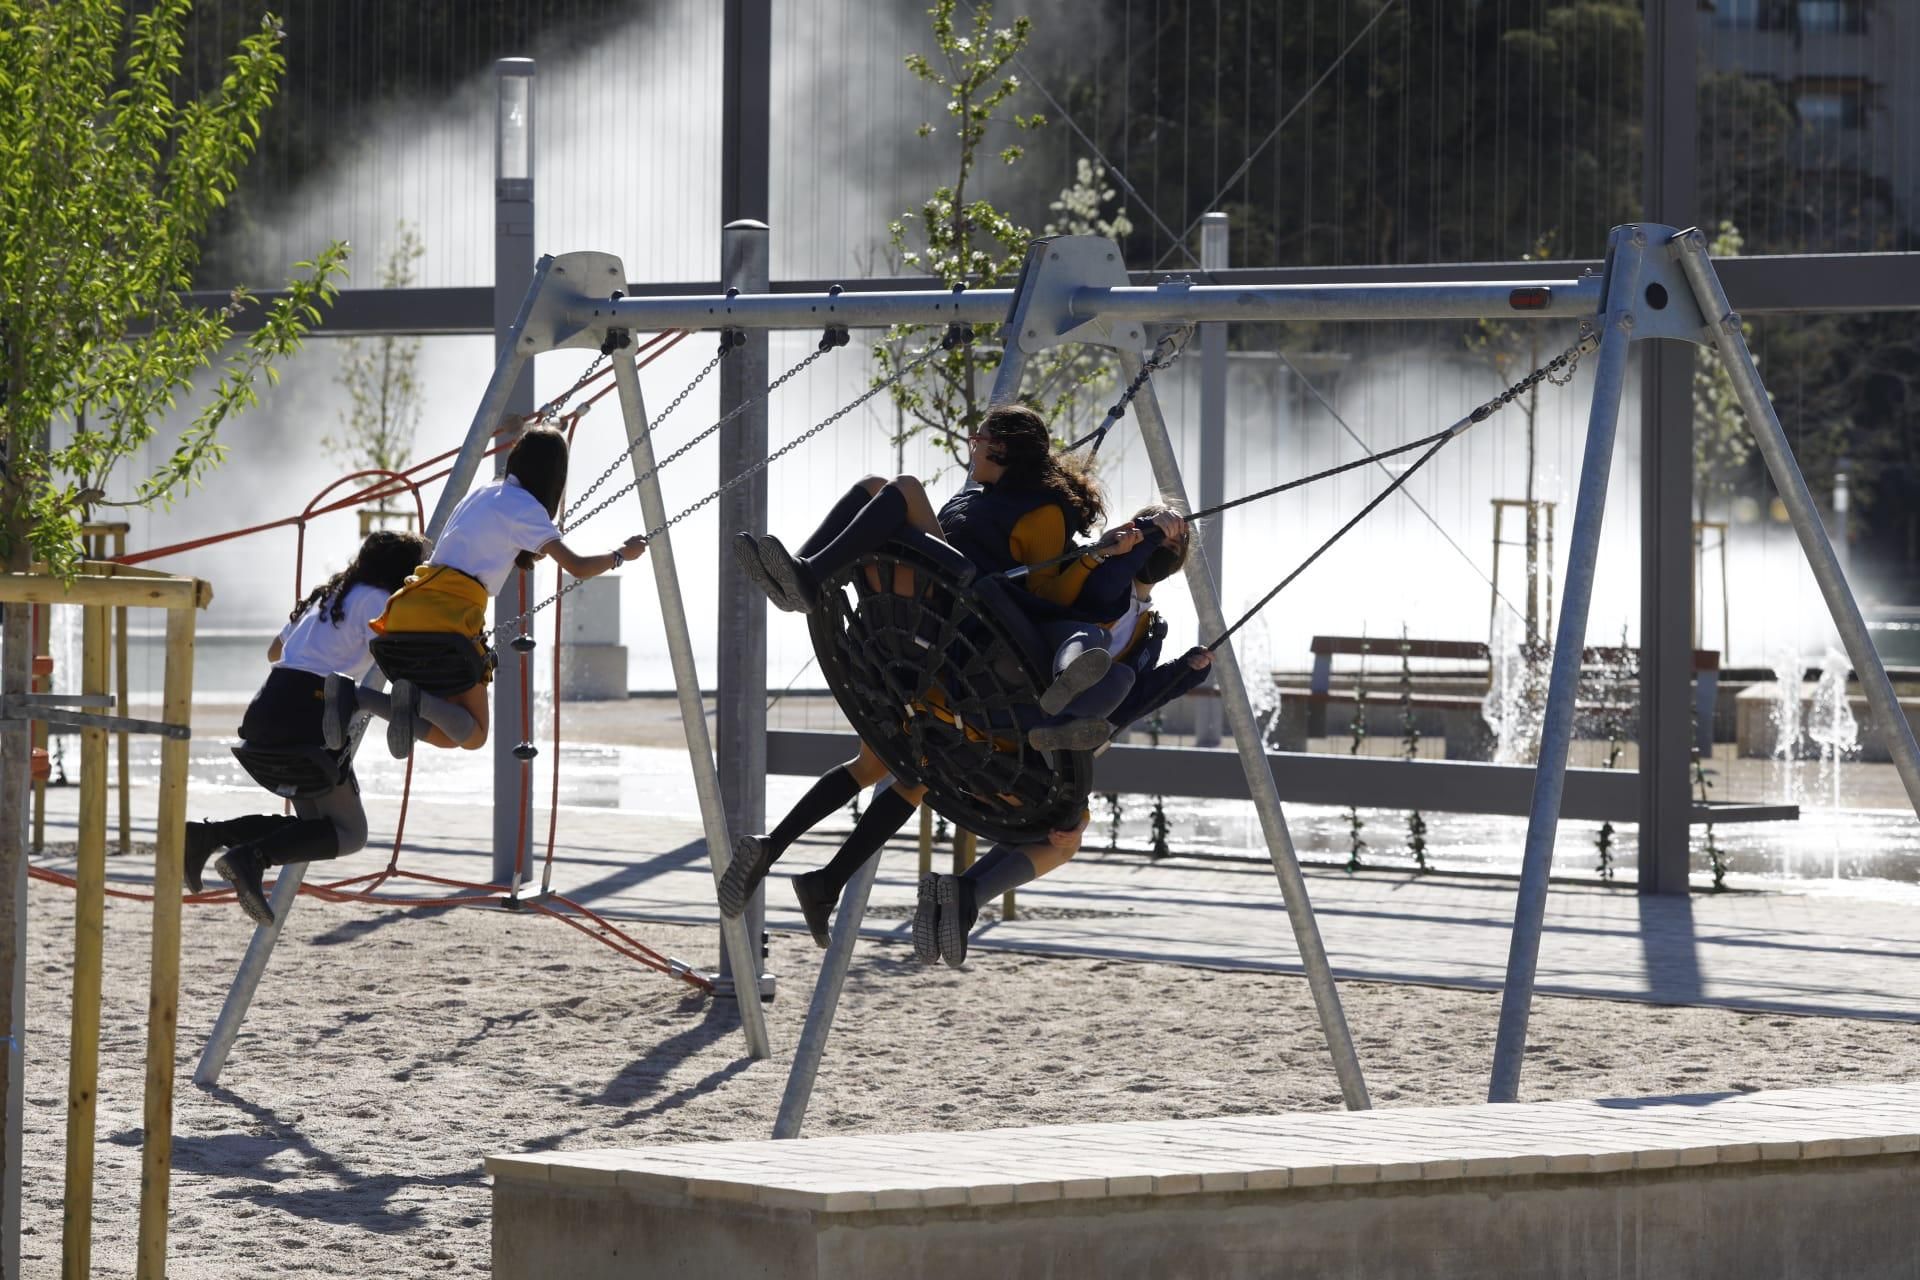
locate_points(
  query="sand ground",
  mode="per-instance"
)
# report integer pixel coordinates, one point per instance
(389, 1051)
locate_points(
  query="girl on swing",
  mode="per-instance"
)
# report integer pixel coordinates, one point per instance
(495, 527)
(1136, 685)
(1023, 506)
(325, 633)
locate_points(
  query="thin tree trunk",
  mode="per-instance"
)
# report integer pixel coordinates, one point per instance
(16, 669)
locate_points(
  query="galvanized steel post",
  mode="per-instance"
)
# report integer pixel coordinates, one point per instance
(1245, 728)
(1213, 448)
(740, 704)
(1724, 326)
(686, 679)
(1626, 252)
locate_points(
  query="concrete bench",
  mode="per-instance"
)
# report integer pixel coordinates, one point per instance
(1805, 1182)
(1448, 703)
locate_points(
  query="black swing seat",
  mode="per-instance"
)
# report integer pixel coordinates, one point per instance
(437, 662)
(940, 671)
(293, 771)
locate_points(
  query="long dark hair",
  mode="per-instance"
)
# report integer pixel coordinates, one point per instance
(1164, 560)
(1021, 443)
(384, 560)
(538, 461)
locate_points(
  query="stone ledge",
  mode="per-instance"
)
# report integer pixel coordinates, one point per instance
(1169, 1159)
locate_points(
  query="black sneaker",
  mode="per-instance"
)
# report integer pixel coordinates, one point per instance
(751, 861)
(816, 904)
(958, 914)
(1080, 675)
(746, 551)
(336, 718)
(926, 920)
(242, 867)
(1075, 735)
(203, 841)
(789, 575)
(406, 704)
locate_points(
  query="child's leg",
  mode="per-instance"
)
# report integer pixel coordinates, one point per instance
(1081, 659)
(955, 905)
(818, 891)
(458, 720)
(841, 514)
(754, 855)
(340, 806)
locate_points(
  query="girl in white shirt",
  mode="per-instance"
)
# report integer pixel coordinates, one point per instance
(494, 528)
(325, 633)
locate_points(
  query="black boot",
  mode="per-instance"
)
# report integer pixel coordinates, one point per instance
(959, 909)
(243, 867)
(206, 838)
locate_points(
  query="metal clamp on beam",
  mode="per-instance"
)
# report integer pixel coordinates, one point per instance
(62, 700)
(18, 707)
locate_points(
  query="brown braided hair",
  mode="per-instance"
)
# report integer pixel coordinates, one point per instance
(384, 560)
(1020, 442)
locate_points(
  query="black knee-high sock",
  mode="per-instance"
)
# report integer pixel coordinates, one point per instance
(883, 514)
(837, 520)
(1002, 869)
(251, 826)
(307, 840)
(834, 789)
(882, 820)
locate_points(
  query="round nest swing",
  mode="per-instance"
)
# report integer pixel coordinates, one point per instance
(939, 672)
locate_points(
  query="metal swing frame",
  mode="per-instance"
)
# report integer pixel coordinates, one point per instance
(1657, 282)
(545, 322)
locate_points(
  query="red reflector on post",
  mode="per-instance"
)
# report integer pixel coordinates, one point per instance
(1534, 299)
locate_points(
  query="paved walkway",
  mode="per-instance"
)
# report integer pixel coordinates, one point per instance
(1802, 952)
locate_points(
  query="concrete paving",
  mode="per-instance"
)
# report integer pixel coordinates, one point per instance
(1822, 951)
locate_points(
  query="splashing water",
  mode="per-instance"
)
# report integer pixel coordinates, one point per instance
(1831, 724)
(1516, 701)
(1785, 715)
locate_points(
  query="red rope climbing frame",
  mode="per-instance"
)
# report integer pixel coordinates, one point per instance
(363, 888)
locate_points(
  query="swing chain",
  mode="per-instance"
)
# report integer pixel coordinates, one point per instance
(627, 455)
(520, 622)
(912, 366)
(1171, 346)
(1559, 371)
(729, 416)
(547, 412)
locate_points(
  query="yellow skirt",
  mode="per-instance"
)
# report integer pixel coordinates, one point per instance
(438, 598)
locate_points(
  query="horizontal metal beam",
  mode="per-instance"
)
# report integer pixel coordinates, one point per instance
(1772, 284)
(1435, 786)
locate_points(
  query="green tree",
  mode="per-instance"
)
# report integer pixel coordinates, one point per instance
(1722, 442)
(110, 172)
(962, 238)
(381, 380)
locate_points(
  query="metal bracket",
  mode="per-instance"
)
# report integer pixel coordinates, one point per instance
(18, 707)
(1663, 305)
(62, 700)
(1057, 268)
(566, 290)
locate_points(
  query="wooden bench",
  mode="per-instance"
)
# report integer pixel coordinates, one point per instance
(1452, 713)
(1801, 1182)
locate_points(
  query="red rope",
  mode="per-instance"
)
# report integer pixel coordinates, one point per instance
(388, 484)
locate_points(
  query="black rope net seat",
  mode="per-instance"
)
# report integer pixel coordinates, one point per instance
(438, 662)
(939, 671)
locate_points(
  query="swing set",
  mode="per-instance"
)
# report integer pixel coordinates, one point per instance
(937, 677)
(886, 652)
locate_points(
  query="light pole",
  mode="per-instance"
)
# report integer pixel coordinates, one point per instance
(512, 275)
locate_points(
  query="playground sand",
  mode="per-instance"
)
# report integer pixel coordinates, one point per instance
(388, 1052)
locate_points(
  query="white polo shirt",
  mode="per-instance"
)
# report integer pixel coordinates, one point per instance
(315, 643)
(491, 526)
